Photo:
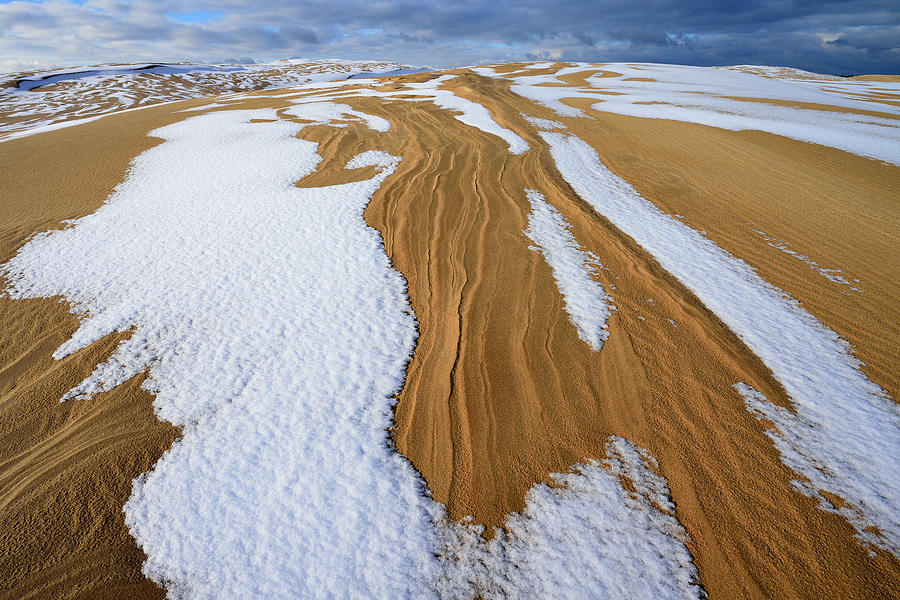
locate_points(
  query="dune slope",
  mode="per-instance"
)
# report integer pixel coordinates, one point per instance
(504, 388)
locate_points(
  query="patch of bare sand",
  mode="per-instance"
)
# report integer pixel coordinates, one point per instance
(819, 107)
(888, 78)
(507, 68)
(576, 79)
(580, 78)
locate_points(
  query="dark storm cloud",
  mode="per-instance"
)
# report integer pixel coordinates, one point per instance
(852, 36)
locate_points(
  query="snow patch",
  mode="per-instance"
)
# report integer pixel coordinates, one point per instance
(546, 124)
(872, 137)
(551, 97)
(586, 537)
(587, 303)
(328, 113)
(276, 332)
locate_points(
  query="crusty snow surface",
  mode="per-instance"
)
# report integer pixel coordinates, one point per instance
(276, 333)
(587, 539)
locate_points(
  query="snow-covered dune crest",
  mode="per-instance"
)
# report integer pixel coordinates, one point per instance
(51, 99)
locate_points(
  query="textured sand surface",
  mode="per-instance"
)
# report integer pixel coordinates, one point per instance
(66, 469)
(501, 392)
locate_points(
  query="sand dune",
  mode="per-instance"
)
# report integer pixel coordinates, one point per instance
(63, 95)
(501, 391)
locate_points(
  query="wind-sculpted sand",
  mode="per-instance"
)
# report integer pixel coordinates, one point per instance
(502, 390)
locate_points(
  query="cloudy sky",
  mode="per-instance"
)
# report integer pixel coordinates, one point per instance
(846, 37)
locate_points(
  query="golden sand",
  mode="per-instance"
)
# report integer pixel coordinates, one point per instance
(889, 78)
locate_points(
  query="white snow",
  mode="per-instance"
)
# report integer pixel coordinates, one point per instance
(793, 435)
(845, 435)
(551, 96)
(474, 115)
(544, 123)
(485, 71)
(64, 124)
(276, 333)
(588, 539)
(587, 303)
(51, 77)
(872, 137)
(329, 112)
(783, 72)
(707, 96)
(107, 89)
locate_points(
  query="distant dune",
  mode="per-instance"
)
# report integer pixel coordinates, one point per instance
(522, 330)
(887, 78)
